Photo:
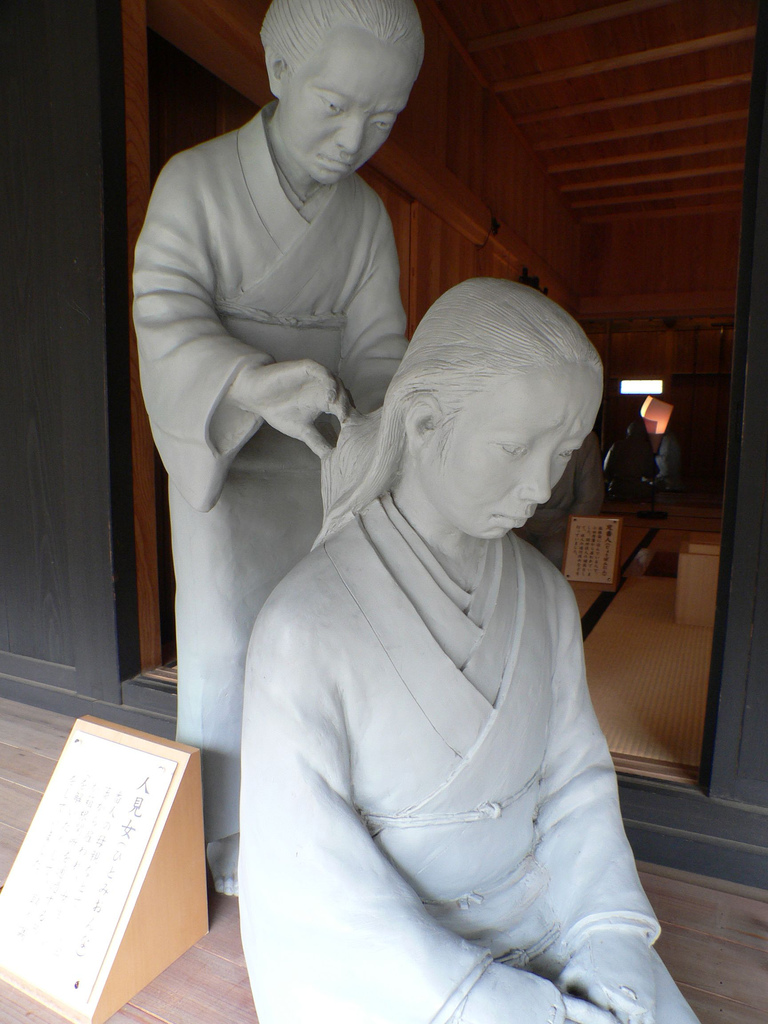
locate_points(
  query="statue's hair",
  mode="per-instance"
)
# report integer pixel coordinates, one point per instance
(476, 335)
(294, 29)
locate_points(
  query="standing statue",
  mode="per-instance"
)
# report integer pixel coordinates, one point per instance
(266, 268)
(430, 821)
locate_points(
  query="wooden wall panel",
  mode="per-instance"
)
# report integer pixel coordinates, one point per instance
(465, 140)
(398, 206)
(137, 159)
(440, 258)
(683, 265)
(422, 128)
(521, 197)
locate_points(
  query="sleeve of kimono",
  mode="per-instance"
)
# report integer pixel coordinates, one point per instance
(331, 931)
(374, 339)
(581, 842)
(187, 358)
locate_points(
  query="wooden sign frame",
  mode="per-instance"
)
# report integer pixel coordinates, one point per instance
(593, 552)
(165, 910)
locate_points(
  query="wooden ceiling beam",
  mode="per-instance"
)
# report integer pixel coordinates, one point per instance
(653, 197)
(673, 211)
(572, 21)
(627, 60)
(616, 102)
(659, 154)
(641, 179)
(639, 130)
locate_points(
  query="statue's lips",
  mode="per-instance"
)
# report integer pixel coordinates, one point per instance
(509, 522)
(333, 164)
(514, 522)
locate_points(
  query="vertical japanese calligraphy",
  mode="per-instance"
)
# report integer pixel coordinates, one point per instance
(63, 901)
(592, 550)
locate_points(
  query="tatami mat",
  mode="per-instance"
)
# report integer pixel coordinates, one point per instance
(648, 678)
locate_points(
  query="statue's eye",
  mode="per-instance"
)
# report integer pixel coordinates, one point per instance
(567, 454)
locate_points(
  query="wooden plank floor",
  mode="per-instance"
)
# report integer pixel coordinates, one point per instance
(714, 938)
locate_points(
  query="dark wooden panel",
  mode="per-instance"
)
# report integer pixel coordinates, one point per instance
(735, 730)
(32, 513)
(158, 722)
(63, 299)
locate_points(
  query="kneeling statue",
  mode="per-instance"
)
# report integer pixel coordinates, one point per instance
(430, 823)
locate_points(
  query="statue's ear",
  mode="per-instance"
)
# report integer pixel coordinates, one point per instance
(423, 418)
(277, 69)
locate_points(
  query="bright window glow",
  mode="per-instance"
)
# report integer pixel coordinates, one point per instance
(642, 387)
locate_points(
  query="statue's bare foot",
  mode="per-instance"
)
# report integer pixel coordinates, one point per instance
(222, 860)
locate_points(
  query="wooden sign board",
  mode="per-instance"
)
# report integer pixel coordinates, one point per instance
(109, 886)
(592, 551)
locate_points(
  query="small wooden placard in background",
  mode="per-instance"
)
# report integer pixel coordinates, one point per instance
(592, 551)
(109, 886)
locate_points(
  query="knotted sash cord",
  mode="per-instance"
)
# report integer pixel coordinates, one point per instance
(324, 321)
(376, 823)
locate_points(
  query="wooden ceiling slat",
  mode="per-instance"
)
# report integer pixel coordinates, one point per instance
(654, 197)
(627, 60)
(638, 131)
(678, 211)
(645, 155)
(616, 102)
(571, 21)
(639, 179)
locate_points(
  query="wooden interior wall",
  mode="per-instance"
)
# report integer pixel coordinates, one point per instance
(454, 124)
(693, 358)
(652, 266)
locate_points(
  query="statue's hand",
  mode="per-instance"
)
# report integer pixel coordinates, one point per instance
(578, 1011)
(613, 970)
(290, 396)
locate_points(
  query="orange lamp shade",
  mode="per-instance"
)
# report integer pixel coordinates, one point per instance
(656, 415)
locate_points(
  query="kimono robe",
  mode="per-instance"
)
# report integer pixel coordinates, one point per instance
(229, 274)
(429, 812)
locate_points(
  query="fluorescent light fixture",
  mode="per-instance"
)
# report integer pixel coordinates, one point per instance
(642, 387)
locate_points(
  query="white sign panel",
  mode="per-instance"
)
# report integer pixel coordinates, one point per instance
(62, 903)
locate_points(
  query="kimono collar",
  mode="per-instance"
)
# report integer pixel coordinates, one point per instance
(405, 609)
(456, 619)
(282, 220)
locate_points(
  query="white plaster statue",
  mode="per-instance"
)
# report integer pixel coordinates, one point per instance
(579, 492)
(429, 813)
(266, 268)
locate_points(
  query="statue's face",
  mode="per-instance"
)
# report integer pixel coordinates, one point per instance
(485, 472)
(338, 107)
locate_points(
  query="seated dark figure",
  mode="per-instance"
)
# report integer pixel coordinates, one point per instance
(430, 821)
(629, 465)
(668, 464)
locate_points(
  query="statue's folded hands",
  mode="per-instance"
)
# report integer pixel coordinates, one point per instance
(612, 968)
